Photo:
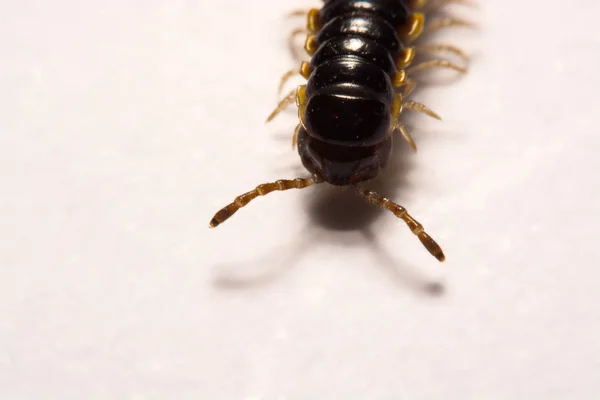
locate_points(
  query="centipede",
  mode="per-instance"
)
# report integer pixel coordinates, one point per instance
(358, 81)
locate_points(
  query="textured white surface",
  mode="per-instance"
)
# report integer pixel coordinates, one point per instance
(125, 124)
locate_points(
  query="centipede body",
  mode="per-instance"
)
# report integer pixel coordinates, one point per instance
(358, 78)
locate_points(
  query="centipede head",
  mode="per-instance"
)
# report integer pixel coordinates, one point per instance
(342, 165)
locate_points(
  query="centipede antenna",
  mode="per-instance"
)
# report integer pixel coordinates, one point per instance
(400, 212)
(415, 106)
(283, 104)
(436, 64)
(261, 190)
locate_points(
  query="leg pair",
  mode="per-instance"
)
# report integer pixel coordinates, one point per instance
(400, 104)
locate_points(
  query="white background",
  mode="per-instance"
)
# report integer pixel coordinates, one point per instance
(124, 125)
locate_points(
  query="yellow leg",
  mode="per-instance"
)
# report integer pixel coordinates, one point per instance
(304, 71)
(312, 18)
(286, 77)
(400, 212)
(291, 41)
(301, 101)
(437, 5)
(436, 64)
(397, 125)
(295, 136)
(417, 4)
(313, 24)
(261, 190)
(434, 48)
(402, 80)
(405, 134)
(398, 107)
(415, 106)
(441, 23)
(409, 86)
(297, 13)
(283, 104)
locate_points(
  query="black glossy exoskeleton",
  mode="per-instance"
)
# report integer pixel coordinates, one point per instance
(357, 81)
(350, 91)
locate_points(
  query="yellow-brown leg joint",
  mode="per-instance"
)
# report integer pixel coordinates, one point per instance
(406, 59)
(414, 27)
(400, 78)
(305, 69)
(397, 105)
(301, 102)
(310, 45)
(313, 22)
(417, 4)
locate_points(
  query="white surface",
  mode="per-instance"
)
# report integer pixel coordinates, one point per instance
(125, 124)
